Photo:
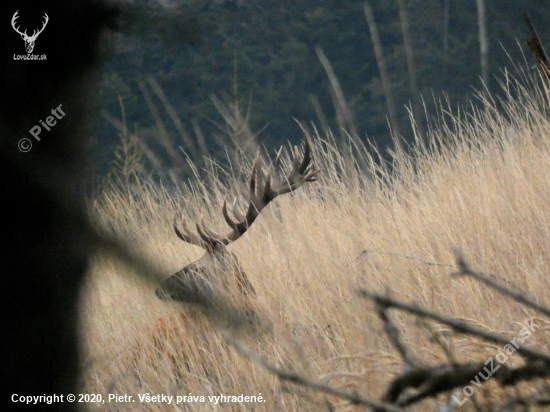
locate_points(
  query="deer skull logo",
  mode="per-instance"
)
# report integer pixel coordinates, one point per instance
(29, 40)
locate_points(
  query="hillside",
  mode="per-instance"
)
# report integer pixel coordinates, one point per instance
(482, 185)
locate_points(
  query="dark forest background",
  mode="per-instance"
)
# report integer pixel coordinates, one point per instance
(238, 72)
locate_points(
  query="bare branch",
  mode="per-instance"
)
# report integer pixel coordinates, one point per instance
(465, 270)
(434, 380)
(457, 325)
(393, 335)
(284, 375)
(426, 262)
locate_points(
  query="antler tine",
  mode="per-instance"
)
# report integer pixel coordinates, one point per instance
(37, 32)
(277, 164)
(298, 175)
(307, 156)
(186, 236)
(205, 240)
(255, 163)
(309, 175)
(312, 175)
(13, 23)
(232, 224)
(297, 164)
(237, 213)
(209, 237)
(268, 179)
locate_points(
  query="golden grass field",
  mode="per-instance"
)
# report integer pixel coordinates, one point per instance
(482, 185)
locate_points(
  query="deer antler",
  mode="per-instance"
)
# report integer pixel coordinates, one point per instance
(263, 189)
(13, 19)
(35, 35)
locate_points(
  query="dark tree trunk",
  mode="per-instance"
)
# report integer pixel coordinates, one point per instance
(45, 240)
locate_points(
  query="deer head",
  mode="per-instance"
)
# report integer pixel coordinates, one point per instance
(219, 271)
(29, 40)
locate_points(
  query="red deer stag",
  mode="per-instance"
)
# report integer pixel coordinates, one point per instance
(217, 276)
(218, 273)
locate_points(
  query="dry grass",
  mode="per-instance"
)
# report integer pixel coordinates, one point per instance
(483, 186)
